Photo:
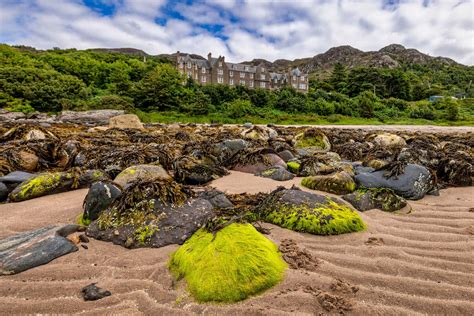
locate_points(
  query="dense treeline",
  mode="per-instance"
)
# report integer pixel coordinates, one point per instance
(58, 80)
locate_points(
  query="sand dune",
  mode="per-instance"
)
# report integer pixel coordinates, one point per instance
(416, 263)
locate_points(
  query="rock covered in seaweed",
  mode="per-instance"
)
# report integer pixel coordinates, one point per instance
(258, 160)
(312, 141)
(55, 182)
(413, 183)
(277, 173)
(141, 172)
(98, 198)
(308, 212)
(152, 214)
(368, 199)
(228, 266)
(389, 140)
(337, 183)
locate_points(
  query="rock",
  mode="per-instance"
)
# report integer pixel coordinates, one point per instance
(170, 224)
(277, 173)
(83, 238)
(262, 133)
(286, 155)
(97, 129)
(94, 117)
(217, 199)
(141, 172)
(389, 140)
(248, 125)
(3, 192)
(273, 160)
(383, 199)
(293, 166)
(196, 171)
(126, 121)
(361, 169)
(100, 196)
(94, 293)
(56, 182)
(308, 212)
(312, 141)
(228, 148)
(35, 134)
(377, 163)
(337, 183)
(27, 161)
(13, 179)
(34, 248)
(6, 116)
(412, 184)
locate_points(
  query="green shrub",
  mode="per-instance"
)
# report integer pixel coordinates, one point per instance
(235, 263)
(239, 108)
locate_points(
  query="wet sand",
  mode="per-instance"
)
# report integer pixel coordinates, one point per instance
(416, 263)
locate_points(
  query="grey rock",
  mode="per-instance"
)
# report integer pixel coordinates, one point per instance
(217, 199)
(3, 192)
(94, 293)
(93, 118)
(248, 125)
(16, 177)
(274, 160)
(174, 226)
(412, 184)
(383, 199)
(34, 248)
(99, 197)
(286, 155)
(358, 169)
(277, 173)
(6, 116)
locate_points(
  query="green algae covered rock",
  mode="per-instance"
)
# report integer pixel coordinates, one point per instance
(55, 182)
(375, 198)
(141, 172)
(308, 212)
(277, 173)
(312, 141)
(337, 183)
(232, 265)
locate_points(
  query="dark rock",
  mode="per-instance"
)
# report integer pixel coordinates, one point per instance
(197, 169)
(3, 192)
(94, 293)
(173, 225)
(273, 160)
(286, 155)
(100, 196)
(16, 177)
(52, 183)
(84, 246)
(412, 184)
(277, 173)
(34, 248)
(83, 238)
(383, 199)
(228, 148)
(358, 169)
(217, 199)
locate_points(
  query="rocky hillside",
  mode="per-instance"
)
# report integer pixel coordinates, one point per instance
(391, 56)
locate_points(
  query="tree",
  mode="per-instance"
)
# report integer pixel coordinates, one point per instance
(366, 102)
(160, 89)
(338, 78)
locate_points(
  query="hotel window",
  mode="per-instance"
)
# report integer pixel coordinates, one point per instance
(203, 70)
(242, 82)
(220, 71)
(196, 76)
(262, 84)
(302, 78)
(220, 79)
(220, 64)
(242, 75)
(203, 79)
(302, 86)
(276, 80)
(181, 65)
(189, 74)
(251, 76)
(196, 67)
(262, 77)
(231, 73)
(246, 68)
(251, 84)
(189, 64)
(263, 69)
(295, 86)
(294, 78)
(231, 82)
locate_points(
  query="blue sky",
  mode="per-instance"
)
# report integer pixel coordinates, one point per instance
(243, 29)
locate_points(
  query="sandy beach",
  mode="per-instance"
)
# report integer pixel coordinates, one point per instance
(419, 261)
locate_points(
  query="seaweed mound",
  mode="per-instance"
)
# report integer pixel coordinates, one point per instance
(337, 183)
(308, 212)
(229, 266)
(312, 141)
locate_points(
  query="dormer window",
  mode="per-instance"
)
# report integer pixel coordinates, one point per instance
(203, 70)
(231, 73)
(263, 69)
(262, 77)
(189, 64)
(220, 64)
(220, 71)
(247, 68)
(181, 65)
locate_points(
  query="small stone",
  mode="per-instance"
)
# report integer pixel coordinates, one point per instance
(84, 246)
(93, 293)
(83, 238)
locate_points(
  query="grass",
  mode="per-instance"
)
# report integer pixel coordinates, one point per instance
(281, 118)
(238, 263)
(330, 219)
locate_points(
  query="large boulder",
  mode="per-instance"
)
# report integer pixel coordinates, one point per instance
(126, 121)
(277, 173)
(34, 248)
(308, 212)
(26, 160)
(13, 179)
(312, 141)
(368, 199)
(141, 172)
(94, 117)
(261, 133)
(228, 266)
(98, 198)
(152, 214)
(412, 184)
(55, 182)
(268, 160)
(389, 140)
(337, 183)
(3, 192)
(194, 171)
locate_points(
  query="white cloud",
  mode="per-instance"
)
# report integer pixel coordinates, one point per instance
(250, 29)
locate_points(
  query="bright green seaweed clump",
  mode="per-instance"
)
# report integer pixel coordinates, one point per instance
(36, 186)
(236, 263)
(293, 166)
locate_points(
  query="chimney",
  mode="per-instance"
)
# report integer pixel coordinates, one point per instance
(209, 56)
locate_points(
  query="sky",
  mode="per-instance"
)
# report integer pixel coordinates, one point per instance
(243, 29)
